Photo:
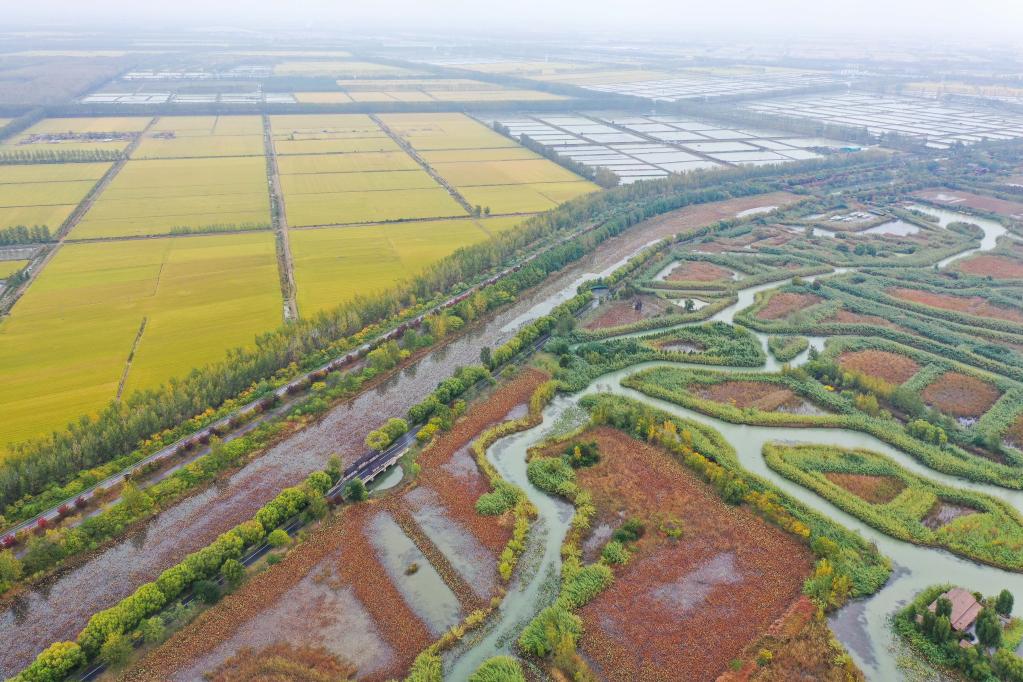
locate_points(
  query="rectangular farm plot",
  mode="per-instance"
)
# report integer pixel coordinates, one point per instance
(526, 198)
(333, 265)
(352, 207)
(199, 136)
(327, 183)
(112, 133)
(505, 172)
(152, 197)
(329, 134)
(329, 145)
(45, 194)
(444, 131)
(345, 163)
(64, 348)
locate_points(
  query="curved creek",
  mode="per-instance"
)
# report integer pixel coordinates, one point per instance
(862, 625)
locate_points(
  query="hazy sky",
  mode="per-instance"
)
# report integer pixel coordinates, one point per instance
(922, 19)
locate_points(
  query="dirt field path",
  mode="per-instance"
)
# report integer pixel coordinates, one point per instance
(410, 150)
(280, 224)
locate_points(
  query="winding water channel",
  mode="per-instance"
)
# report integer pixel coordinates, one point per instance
(862, 625)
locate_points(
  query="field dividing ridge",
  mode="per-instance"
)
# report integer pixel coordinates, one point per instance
(410, 150)
(279, 218)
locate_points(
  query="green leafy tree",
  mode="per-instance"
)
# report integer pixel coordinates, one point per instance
(115, 650)
(54, 663)
(1004, 602)
(335, 468)
(356, 491)
(943, 607)
(942, 630)
(207, 591)
(233, 572)
(989, 629)
(10, 569)
(279, 538)
(153, 630)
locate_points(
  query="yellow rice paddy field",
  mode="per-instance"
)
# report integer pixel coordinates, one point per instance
(160, 196)
(65, 345)
(486, 168)
(332, 265)
(365, 214)
(201, 136)
(46, 193)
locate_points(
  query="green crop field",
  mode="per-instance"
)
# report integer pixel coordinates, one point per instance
(156, 196)
(44, 194)
(334, 264)
(64, 347)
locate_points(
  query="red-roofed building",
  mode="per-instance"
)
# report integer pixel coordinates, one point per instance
(965, 608)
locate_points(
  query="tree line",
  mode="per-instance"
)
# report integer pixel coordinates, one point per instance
(23, 234)
(24, 156)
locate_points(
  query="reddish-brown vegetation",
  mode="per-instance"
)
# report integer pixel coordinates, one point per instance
(971, 305)
(843, 316)
(961, 395)
(1010, 209)
(698, 271)
(800, 646)
(691, 217)
(458, 487)
(402, 630)
(682, 608)
(873, 489)
(891, 367)
(283, 661)
(998, 267)
(623, 311)
(785, 303)
(759, 394)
